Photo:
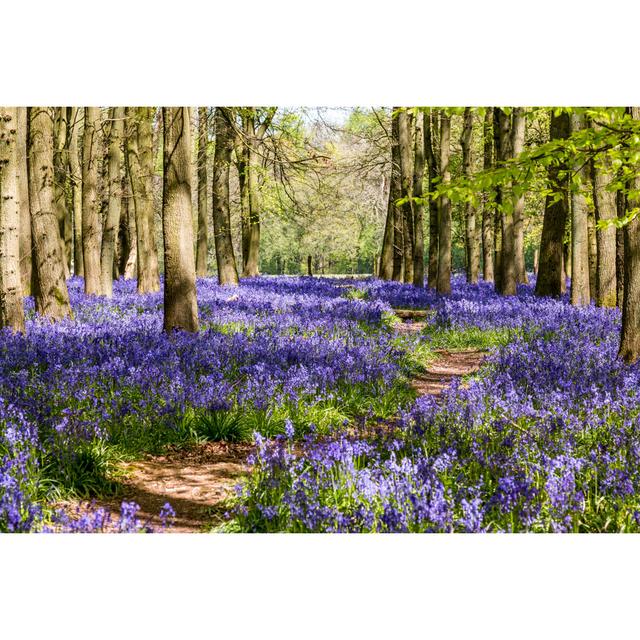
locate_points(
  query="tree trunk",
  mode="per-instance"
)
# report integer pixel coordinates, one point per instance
(418, 177)
(466, 141)
(139, 158)
(225, 258)
(488, 213)
(26, 269)
(592, 248)
(309, 266)
(517, 146)
(579, 235)
(114, 208)
(202, 247)
(180, 302)
(50, 291)
(605, 209)
(11, 309)
(621, 209)
(60, 179)
(432, 174)
(75, 173)
(90, 215)
(551, 276)
(444, 210)
(630, 334)
(405, 139)
(506, 284)
(394, 195)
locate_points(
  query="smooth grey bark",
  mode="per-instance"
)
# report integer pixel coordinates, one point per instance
(225, 258)
(202, 243)
(91, 227)
(75, 178)
(472, 255)
(405, 140)
(621, 208)
(114, 208)
(26, 245)
(11, 309)
(605, 211)
(432, 173)
(444, 210)
(180, 301)
(517, 146)
(50, 290)
(488, 213)
(579, 235)
(60, 163)
(418, 209)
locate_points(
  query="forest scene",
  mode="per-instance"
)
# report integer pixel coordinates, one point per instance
(307, 319)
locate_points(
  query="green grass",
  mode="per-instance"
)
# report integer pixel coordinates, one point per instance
(470, 337)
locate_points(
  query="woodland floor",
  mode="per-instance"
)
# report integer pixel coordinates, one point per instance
(198, 480)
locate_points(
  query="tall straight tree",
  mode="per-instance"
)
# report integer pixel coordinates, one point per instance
(405, 140)
(444, 209)
(202, 243)
(180, 302)
(257, 123)
(139, 157)
(550, 278)
(433, 170)
(621, 210)
(605, 210)
(50, 290)
(466, 141)
(517, 146)
(225, 258)
(11, 309)
(60, 201)
(91, 226)
(630, 334)
(390, 258)
(26, 269)
(75, 176)
(394, 195)
(506, 282)
(418, 209)
(115, 128)
(580, 294)
(487, 200)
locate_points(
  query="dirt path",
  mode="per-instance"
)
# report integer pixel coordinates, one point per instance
(448, 366)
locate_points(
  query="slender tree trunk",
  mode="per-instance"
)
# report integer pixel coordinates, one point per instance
(579, 234)
(180, 302)
(59, 180)
(605, 210)
(251, 266)
(90, 216)
(444, 212)
(592, 248)
(405, 139)
(551, 276)
(112, 222)
(466, 142)
(517, 146)
(202, 247)
(488, 213)
(418, 177)
(75, 173)
(385, 270)
(432, 173)
(11, 309)
(394, 195)
(497, 219)
(139, 158)
(507, 281)
(26, 270)
(630, 335)
(621, 209)
(309, 266)
(50, 291)
(225, 258)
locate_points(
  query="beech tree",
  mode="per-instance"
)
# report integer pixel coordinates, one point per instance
(202, 243)
(433, 171)
(50, 290)
(405, 140)
(139, 158)
(487, 200)
(91, 227)
(418, 208)
(75, 178)
(114, 131)
(11, 310)
(579, 249)
(180, 303)
(60, 163)
(444, 209)
(517, 146)
(225, 258)
(466, 142)
(26, 269)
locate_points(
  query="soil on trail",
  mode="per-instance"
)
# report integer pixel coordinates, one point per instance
(448, 366)
(196, 481)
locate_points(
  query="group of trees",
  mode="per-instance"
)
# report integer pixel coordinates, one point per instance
(405, 192)
(586, 169)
